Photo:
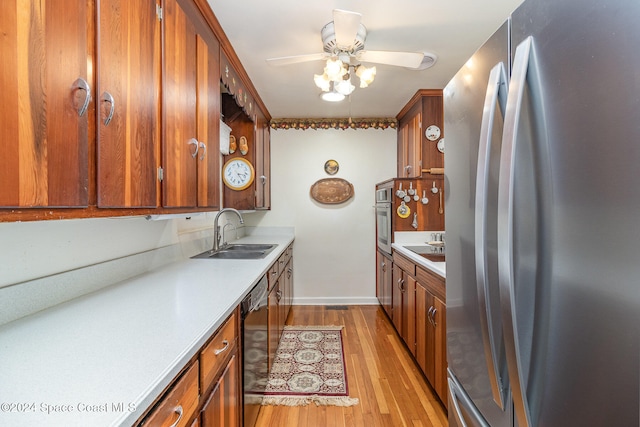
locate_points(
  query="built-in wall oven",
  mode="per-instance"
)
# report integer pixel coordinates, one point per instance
(383, 218)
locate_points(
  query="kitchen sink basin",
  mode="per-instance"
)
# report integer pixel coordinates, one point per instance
(238, 251)
(431, 253)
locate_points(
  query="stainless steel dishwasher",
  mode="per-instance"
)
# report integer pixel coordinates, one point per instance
(255, 343)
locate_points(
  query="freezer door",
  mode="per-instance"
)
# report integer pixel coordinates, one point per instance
(571, 271)
(474, 331)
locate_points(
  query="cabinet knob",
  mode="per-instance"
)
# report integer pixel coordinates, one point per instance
(223, 349)
(204, 148)
(107, 97)
(178, 411)
(82, 84)
(194, 141)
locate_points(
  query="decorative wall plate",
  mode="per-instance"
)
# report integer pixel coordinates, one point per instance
(244, 145)
(331, 191)
(331, 167)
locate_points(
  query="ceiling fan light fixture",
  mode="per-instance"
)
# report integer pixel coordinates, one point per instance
(322, 81)
(366, 75)
(332, 96)
(335, 69)
(344, 87)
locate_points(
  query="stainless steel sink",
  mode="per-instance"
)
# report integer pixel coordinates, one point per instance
(239, 251)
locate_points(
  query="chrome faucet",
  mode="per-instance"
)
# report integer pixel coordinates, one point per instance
(216, 228)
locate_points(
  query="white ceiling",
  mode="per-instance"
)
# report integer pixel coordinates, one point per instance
(259, 29)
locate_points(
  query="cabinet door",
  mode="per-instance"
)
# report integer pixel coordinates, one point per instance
(128, 93)
(410, 147)
(179, 108)
(288, 274)
(273, 322)
(223, 406)
(43, 128)
(409, 313)
(423, 303)
(440, 349)
(263, 164)
(396, 298)
(208, 114)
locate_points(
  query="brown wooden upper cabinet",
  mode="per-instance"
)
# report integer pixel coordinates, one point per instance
(416, 153)
(128, 120)
(263, 163)
(191, 109)
(46, 103)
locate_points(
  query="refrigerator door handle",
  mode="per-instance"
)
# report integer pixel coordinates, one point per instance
(496, 93)
(517, 371)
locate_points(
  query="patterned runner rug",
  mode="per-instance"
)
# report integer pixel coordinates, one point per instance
(309, 367)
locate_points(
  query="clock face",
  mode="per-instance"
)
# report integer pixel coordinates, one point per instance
(432, 133)
(238, 174)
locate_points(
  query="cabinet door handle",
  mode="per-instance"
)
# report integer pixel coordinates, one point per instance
(107, 97)
(194, 141)
(178, 411)
(263, 179)
(223, 349)
(384, 266)
(279, 295)
(429, 315)
(82, 84)
(204, 148)
(433, 317)
(289, 272)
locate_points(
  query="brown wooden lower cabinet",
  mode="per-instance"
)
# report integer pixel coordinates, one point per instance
(419, 316)
(384, 280)
(179, 404)
(208, 392)
(280, 299)
(223, 407)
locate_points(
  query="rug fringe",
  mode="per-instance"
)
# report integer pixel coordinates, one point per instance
(305, 400)
(329, 328)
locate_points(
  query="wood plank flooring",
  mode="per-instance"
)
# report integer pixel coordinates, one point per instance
(380, 372)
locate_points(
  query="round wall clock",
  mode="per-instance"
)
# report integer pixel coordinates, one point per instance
(238, 173)
(432, 133)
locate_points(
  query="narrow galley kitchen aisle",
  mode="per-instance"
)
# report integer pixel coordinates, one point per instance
(380, 373)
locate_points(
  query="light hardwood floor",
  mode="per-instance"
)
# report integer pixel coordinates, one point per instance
(380, 372)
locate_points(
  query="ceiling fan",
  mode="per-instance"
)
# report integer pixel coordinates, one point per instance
(344, 38)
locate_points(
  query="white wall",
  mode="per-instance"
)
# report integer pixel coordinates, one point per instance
(334, 250)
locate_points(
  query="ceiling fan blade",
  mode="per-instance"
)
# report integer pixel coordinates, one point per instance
(400, 59)
(288, 60)
(346, 25)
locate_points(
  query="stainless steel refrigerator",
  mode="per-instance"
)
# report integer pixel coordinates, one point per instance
(542, 166)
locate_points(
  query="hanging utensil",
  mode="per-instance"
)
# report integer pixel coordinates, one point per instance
(425, 199)
(403, 210)
(407, 199)
(411, 191)
(416, 197)
(414, 224)
(440, 209)
(434, 189)
(400, 193)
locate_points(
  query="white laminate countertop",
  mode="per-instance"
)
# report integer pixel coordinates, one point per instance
(437, 267)
(102, 359)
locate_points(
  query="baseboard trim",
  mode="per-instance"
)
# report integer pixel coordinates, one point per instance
(335, 301)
